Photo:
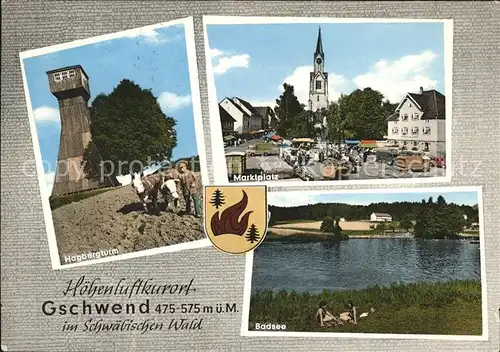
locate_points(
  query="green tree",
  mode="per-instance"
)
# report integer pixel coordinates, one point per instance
(336, 122)
(327, 225)
(287, 108)
(361, 114)
(381, 228)
(129, 129)
(441, 201)
(302, 126)
(337, 231)
(425, 224)
(406, 223)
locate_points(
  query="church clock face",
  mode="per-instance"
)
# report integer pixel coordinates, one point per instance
(319, 61)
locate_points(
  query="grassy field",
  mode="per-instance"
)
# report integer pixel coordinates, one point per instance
(261, 147)
(448, 308)
(311, 225)
(316, 225)
(57, 202)
(471, 232)
(307, 230)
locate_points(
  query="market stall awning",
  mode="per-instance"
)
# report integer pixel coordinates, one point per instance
(368, 143)
(275, 137)
(352, 141)
(302, 140)
(229, 137)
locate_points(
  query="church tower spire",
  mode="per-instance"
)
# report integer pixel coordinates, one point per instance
(318, 87)
(319, 46)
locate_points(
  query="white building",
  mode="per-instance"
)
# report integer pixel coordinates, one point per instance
(418, 123)
(241, 118)
(380, 217)
(269, 120)
(255, 117)
(247, 118)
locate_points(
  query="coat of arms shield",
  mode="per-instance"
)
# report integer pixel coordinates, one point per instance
(236, 217)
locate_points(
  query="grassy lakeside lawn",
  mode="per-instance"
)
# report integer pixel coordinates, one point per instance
(447, 308)
(470, 233)
(317, 236)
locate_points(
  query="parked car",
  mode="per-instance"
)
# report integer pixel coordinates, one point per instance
(440, 162)
(386, 156)
(433, 161)
(252, 151)
(411, 161)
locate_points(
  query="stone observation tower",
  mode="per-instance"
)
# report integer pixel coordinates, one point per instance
(71, 88)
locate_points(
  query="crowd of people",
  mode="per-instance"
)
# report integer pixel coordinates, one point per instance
(306, 154)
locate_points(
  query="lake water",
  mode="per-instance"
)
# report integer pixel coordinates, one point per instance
(359, 263)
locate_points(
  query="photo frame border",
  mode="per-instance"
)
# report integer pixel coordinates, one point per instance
(484, 301)
(217, 145)
(189, 38)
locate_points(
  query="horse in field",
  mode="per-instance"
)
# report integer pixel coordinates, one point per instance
(148, 187)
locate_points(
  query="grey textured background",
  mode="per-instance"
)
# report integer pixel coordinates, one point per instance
(27, 277)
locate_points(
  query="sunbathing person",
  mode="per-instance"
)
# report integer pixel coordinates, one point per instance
(325, 317)
(350, 316)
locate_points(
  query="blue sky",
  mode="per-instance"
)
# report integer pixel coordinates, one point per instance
(252, 61)
(154, 59)
(290, 199)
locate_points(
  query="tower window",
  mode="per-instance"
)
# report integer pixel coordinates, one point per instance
(317, 98)
(318, 85)
(58, 76)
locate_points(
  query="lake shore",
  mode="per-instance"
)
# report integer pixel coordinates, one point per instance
(290, 234)
(308, 236)
(445, 308)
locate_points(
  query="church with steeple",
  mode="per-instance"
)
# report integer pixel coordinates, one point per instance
(318, 87)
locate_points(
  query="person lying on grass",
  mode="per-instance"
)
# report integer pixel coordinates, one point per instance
(325, 317)
(350, 316)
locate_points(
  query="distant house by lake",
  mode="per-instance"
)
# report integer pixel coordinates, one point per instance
(380, 217)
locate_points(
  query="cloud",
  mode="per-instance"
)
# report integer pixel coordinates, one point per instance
(223, 62)
(170, 101)
(215, 53)
(299, 79)
(263, 102)
(395, 78)
(150, 35)
(291, 199)
(49, 180)
(46, 114)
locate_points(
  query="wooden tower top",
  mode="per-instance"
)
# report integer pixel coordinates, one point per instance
(69, 82)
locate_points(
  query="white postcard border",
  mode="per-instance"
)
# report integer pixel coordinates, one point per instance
(218, 153)
(484, 337)
(188, 25)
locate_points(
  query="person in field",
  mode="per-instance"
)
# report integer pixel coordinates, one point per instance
(190, 188)
(325, 317)
(349, 316)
